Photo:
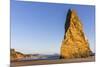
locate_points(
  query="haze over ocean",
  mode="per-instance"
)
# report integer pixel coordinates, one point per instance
(39, 27)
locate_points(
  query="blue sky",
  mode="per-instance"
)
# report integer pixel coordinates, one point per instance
(39, 27)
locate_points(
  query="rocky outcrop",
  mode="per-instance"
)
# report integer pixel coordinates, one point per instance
(74, 44)
(14, 55)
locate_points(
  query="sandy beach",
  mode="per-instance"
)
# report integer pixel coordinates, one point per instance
(57, 61)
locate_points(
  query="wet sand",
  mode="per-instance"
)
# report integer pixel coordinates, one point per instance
(57, 61)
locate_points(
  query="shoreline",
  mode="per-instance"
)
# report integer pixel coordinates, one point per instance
(57, 61)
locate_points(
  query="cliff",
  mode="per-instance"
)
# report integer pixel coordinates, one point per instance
(14, 55)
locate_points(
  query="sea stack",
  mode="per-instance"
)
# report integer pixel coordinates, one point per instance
(74, 44)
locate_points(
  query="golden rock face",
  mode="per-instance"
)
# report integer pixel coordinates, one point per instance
(14, 55)
(74, 44)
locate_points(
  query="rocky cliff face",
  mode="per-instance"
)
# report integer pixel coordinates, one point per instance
(74, 44)
(14, 55)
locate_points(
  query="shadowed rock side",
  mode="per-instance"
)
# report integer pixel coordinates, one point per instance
(74, 45)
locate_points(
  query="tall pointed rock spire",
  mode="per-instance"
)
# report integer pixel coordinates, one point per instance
(74, 44)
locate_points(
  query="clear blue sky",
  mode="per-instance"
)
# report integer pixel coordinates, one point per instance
(39, 27)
